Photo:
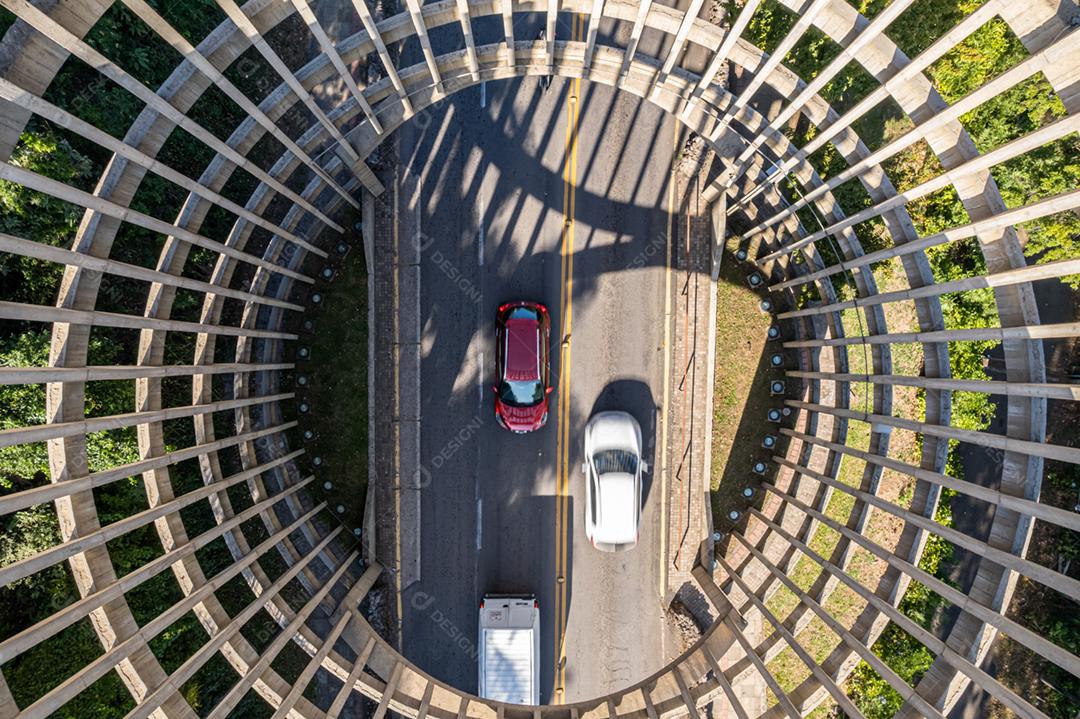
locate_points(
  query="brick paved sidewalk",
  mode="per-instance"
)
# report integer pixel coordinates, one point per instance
(384, 401)
(689, 420)
(395, 389)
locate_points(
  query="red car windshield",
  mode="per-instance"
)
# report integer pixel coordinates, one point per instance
(521, 394)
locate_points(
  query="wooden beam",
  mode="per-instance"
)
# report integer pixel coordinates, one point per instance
(179, 43)
(417, 15)
(331, 53)
(244, 24)
(66, 40)
(384, 55)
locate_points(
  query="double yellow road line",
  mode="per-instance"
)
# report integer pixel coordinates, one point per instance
(563, 472)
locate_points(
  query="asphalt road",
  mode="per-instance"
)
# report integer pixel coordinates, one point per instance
(489, 192)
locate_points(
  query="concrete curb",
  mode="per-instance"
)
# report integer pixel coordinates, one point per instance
(718, 227)
(367, 231)
(411, 471)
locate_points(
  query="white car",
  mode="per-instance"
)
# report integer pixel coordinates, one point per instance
(613, 468)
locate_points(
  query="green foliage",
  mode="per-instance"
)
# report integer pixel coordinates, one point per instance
(872, 694)
(178, 642)
(7, 19)
(25, 534)
(1049, 170)
(89, 95)
(122, 37)
(813, 53)
(1018, 111)
(36, 216)
(46, 665)
(27, 465)
(934, 212)
(850, 86)
(769, 25)
(1022, 109)
(1046, 612)
(927, 20)
(810, 55)
(194, 19)
(1062, 627)
(986, 53)
(63, 156)
(21, 405)
(869, 8)
(133, 45)
(973, 309)
(904, 654)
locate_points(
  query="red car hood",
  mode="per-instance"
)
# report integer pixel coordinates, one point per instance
(522, 419)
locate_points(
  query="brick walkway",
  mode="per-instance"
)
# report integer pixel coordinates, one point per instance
(689, 420)
(382, 536)
(695, 318)
(395, 387)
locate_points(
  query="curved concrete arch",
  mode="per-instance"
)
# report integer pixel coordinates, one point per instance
(807, 471)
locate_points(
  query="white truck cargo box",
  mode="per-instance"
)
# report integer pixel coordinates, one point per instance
(510, 649)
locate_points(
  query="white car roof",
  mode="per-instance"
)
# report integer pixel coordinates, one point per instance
(617, 509)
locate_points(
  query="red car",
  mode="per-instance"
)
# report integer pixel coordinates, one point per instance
(522, 366)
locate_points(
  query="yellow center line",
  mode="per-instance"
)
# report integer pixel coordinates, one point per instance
(562, 470)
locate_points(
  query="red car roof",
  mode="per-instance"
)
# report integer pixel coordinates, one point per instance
(522, 343)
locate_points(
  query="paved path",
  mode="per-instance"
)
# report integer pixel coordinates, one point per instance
(692, 302)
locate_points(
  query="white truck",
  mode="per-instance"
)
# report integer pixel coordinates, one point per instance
(510, 649)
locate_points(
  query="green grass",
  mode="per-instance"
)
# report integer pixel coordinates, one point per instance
(741, 392)
(338, 394)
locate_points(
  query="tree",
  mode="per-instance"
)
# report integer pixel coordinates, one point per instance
(33, 215)
(27, 465)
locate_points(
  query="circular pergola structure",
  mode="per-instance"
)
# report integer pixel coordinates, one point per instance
(324, 168)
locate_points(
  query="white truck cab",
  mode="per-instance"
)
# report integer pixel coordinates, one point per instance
(509, 655)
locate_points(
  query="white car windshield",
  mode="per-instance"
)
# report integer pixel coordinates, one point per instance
(615, 460)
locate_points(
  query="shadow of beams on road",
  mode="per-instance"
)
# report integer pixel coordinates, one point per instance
(440, 118)
(586, 291)
(601, 216)
(639, 252)
(637, 245)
